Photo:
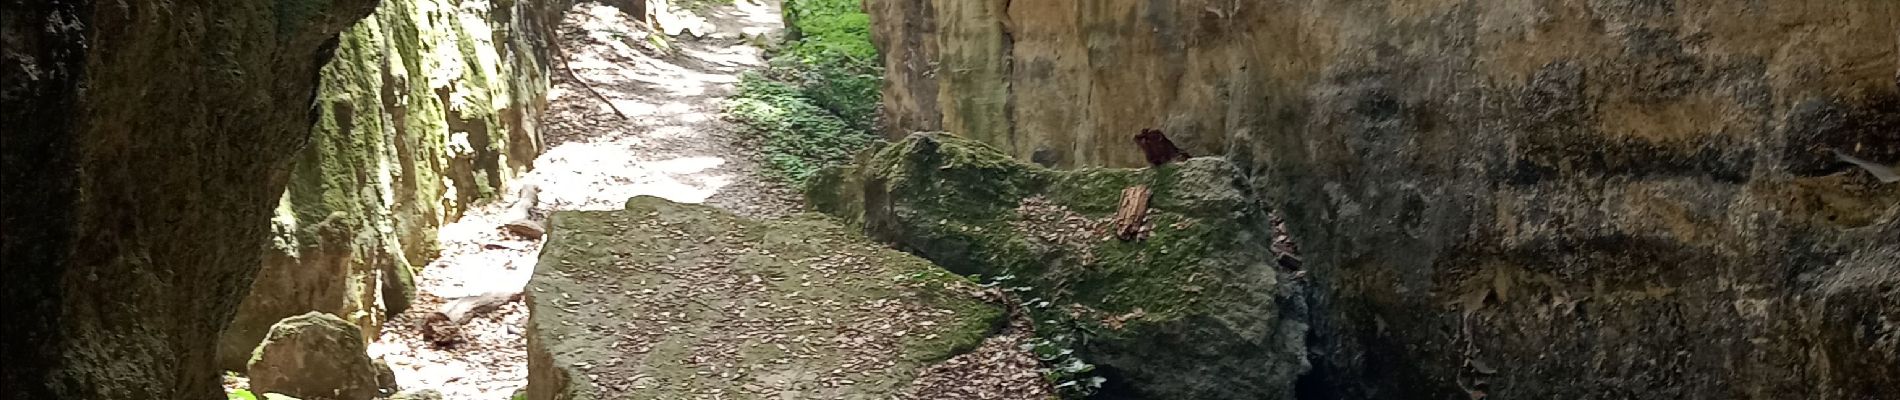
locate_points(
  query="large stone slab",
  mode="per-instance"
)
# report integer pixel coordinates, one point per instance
(669, 300)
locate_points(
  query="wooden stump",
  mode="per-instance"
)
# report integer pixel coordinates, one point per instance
(1131, 217)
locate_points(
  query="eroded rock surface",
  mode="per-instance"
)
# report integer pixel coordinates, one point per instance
(1194, 309)
(314, 356)
(668, 300)
(142, 146)
(1544, 199)
(429, 107)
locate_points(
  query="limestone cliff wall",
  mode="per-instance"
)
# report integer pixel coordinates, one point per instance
(1538, 199)
(429, 106)
(142, 145)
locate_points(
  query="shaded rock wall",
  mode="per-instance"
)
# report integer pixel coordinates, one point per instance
(142, 145)
(430, 106)
(1558, 198)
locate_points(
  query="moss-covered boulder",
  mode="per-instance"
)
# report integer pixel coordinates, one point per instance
(1194, 309)
(314, 356)
(665, 300)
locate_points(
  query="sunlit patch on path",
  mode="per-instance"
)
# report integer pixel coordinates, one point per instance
(674, 146)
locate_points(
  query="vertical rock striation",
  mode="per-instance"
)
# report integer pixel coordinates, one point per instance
(430, 106)
(144, 143)
(1546, 199)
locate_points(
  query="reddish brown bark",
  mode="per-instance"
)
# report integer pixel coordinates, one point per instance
(1157, 148)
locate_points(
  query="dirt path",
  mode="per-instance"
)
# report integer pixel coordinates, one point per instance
(674, 146)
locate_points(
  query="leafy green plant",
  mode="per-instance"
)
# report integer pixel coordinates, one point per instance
(1073, 378)
(798, 136)
(815, 103)
(1054, 344)
(240, 394)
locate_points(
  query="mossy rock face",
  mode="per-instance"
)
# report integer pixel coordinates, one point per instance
(423, 113)
(666, 300)
(314, 356)
(1194, 310)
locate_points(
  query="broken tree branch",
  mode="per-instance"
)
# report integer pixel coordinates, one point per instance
(569, 68)
(520, 216)
(443, 327)
(461, 309)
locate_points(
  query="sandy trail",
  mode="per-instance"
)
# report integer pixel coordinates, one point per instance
(674, 146)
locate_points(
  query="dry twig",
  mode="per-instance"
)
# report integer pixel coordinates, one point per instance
(561, 52)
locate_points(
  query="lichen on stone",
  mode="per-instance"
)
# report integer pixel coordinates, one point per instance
(1192, 311)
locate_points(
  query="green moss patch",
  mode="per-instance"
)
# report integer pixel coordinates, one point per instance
(1193, 310)
(395, 150)
(813, 106)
